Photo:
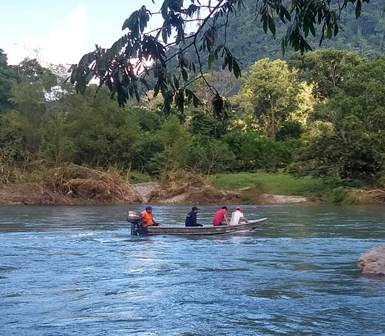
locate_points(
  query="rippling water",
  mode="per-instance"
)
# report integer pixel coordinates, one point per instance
(77, 271)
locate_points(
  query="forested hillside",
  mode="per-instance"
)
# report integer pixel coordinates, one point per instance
(366, 35)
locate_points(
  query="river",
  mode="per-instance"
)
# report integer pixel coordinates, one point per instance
(77, 271)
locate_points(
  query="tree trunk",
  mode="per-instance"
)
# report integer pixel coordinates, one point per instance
(273, 128)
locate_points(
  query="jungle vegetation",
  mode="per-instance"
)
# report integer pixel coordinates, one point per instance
(321, 113)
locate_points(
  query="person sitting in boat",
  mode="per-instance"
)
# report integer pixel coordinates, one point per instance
(220, 217)
(147, 218)
(191, 217)
(237, 217)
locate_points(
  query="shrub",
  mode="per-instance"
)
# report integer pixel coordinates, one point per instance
(253, 151)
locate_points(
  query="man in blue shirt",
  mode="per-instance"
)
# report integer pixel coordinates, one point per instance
(191, 218)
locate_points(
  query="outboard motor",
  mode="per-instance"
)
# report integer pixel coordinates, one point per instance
(136, 224)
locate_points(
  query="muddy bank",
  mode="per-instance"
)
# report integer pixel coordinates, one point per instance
(87, 192)
(12, 194)
(210, 195)
(78, 185)
(283, 199)
(34, 194)
(91, 191)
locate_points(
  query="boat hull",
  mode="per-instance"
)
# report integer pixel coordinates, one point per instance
(205, 230)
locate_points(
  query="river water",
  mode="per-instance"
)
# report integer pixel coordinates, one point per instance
(77, 271)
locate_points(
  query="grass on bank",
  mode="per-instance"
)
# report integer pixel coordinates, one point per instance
(273, 183)
(138, 177)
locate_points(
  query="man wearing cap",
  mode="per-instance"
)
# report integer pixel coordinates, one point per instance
(191, 217)
(237, 217)
(147, 218)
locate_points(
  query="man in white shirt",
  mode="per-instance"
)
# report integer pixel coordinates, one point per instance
(237, 217)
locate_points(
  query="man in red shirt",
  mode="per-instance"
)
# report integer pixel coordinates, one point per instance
(220, 217)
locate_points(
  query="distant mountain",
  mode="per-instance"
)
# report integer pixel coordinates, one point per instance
(248, 42)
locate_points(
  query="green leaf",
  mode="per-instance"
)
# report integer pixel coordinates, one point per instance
(312, 29)
(210, 60)
(144, 17)
(164, 35)
(271, 24)
(286, 13)
(132, 23)
(156, 88)
(236, 69)
(179, 100)
(336, 29)
(184, 74)
(329, 31)
(358, 8)
(176, 82)
(164, 9)
(265, 25)
(168, 98)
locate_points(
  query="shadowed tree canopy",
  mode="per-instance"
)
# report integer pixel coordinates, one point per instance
(199, 28)
(8, 75)
(328, 68)
(30, 71)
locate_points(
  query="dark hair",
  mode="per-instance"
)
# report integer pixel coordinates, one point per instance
(194, 208)
(148, 208)
(224, 207)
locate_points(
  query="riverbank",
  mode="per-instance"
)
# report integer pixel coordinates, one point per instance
(70, 185)
(77, 185)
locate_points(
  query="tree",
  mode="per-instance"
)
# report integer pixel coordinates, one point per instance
(29, 109)
(253, 151)
(205, 123)
(326, 68)
(208, 155)
(12, 144)
(176, 141)
(102, 133)
(30, 71)
(347, 138)
(141, 51)
(7, 77)
(56, 145)
(269, 93)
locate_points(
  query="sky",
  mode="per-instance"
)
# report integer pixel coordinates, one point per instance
(61, 31)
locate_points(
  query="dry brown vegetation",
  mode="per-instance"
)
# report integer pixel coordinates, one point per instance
(194, 188)
(180, 181)
(70, 184)
(85, 183)
(364, 196)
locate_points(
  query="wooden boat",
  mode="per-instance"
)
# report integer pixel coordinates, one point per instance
(205, 230)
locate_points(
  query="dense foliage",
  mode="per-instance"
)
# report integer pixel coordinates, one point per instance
(347, 136)
(317, 114)
(7, 75)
